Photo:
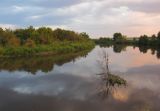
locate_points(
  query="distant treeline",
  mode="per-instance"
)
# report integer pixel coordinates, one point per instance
(118, 38)
(42, 41)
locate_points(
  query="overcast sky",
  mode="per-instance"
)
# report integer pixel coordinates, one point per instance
(96, 17)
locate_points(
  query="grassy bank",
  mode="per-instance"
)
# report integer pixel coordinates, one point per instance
(42, 41)
(50, 49)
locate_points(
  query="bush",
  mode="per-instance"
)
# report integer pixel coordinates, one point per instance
(30, 43)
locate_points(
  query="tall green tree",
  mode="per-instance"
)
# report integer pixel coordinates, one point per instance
(117, 36)
(143, 40)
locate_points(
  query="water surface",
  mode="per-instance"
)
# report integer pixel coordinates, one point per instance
(71, 82)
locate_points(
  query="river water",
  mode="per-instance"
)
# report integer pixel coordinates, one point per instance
(71, 82)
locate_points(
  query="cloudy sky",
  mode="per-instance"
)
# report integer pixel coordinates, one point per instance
(96, 17)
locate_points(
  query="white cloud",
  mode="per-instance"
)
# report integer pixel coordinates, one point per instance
(8, 26)
(97, 17)
(54, 26)
(18, 8)
(100, 19)
(34, 17)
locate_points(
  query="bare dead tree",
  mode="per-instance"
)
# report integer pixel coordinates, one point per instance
(109, 81)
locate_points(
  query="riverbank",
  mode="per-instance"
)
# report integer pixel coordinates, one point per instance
(43, 50)
(42, 41)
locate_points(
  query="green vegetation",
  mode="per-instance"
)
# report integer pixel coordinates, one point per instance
(119, 43)
(103, 40)
(55, 48)
(41, 41)
(116, 80)
(118, 38)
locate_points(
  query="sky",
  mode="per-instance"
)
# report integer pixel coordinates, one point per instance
(98, 18)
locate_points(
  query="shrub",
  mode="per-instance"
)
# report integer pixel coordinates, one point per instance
(29, 43)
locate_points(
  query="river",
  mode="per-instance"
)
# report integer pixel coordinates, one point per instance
(72, 82)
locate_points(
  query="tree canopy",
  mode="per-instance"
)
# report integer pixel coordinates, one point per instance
(43, 35)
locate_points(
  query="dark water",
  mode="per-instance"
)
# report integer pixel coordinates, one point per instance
(70, 82)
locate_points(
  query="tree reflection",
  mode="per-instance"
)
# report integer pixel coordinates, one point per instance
(118, 48)
(109, 81)
(143, 49)
(155, 50)
(39, 63)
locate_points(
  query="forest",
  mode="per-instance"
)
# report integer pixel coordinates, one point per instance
(43, 40)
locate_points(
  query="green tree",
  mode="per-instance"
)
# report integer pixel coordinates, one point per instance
(117, 36)
(41, 35)
(84, 35)
(45, 35)
(66, 35)
(158, 35)
(158, 38)
(2, 39)
(143, 40)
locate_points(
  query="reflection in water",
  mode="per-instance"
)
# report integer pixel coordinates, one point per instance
(34, 64)
(73, 85)
(109, 81)
(118, 48)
